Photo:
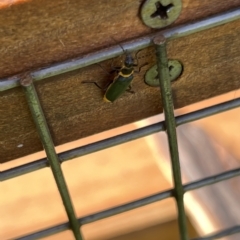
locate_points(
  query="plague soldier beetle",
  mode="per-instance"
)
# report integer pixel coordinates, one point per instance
(122, 81)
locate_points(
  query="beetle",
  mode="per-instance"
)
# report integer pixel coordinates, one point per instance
(122, 81)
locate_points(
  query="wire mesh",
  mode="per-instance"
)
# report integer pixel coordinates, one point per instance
(168, 125)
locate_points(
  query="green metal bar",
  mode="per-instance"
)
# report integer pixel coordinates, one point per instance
(48, 145)
(170, 123)
(133, 45)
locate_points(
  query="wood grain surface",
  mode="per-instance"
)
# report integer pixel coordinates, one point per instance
(36, 34)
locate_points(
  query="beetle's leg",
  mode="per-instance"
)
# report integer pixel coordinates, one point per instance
(108, 84)
(130, 89)
(136, 57)
(135, 65)
(96, 84)
(103, 69)
(139, 69)
(114, 69)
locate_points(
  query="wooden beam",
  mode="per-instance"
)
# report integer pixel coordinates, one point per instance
(39, 33)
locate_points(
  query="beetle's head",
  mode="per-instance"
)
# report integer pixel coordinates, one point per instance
(129, 62)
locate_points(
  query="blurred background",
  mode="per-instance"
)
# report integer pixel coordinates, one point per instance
(129, 172)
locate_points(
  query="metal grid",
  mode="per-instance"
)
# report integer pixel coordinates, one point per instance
(169, 125)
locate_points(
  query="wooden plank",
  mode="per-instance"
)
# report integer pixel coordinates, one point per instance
(58, 31)
(41, 32)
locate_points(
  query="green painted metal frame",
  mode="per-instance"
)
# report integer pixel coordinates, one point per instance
(169, 126)
(170, 123)
(46, 139)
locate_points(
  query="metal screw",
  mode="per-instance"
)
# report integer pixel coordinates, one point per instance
(159, 14)
(162, 11)
(175, 70)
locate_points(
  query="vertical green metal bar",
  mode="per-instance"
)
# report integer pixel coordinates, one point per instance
(47, 142)
(167, 101)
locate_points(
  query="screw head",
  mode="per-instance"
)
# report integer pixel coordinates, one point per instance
(160, 13)
(175, 70)
(26, 80)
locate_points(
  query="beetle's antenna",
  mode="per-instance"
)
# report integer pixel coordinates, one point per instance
(120, 45)
(122, 48)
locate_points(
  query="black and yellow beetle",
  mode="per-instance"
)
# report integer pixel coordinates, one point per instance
(122, 81)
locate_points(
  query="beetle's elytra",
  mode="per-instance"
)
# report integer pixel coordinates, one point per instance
(122, 81)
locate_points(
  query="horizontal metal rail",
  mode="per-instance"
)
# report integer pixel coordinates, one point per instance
(136, 204)
(46, 232)
(122, 138)
(114, 51)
